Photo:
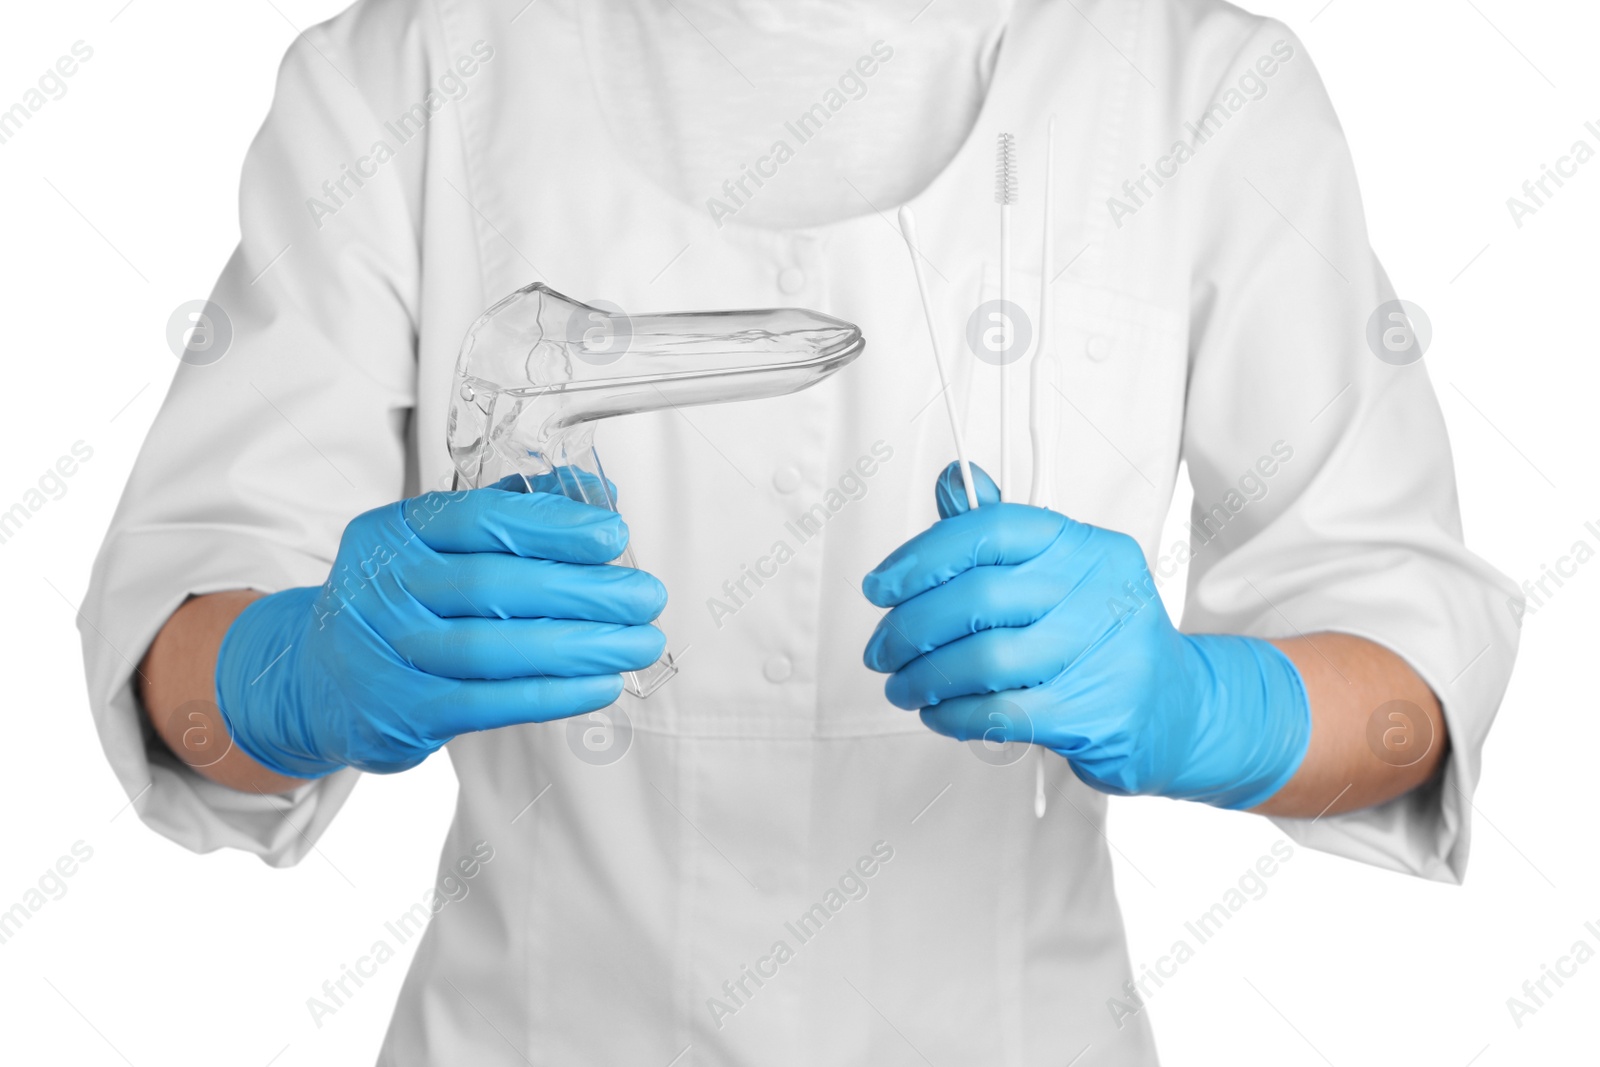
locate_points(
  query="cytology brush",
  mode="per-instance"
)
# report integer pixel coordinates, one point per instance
(908, 230)
(1005, 194)
(1039, 371)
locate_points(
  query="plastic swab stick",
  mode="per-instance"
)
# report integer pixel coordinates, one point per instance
(1042, 351)
(908, 230)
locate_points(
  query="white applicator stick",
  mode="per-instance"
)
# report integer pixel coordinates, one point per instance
(908, 230)
(1039, 371)
(1005, 194)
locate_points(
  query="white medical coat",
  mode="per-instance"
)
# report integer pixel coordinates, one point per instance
(1218, 317)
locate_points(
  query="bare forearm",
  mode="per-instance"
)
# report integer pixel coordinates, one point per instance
(1376, 728)
(177, 687)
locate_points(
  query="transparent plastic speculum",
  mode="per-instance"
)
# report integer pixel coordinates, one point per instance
(538, 370)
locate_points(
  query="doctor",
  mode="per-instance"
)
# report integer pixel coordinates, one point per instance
(787, 855)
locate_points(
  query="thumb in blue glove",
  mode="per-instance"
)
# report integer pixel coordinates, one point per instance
(1012, 623)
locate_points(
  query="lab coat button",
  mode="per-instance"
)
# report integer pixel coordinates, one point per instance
(1099, 347)
(777, 669)
(791, 280)
(786, 479)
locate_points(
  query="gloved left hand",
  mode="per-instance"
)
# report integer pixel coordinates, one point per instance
(1015, 623)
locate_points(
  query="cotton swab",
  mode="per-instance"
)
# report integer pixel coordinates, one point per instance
(1005, 194)
(908, 230)
(1042, 351)
(1038, 785)
(1037, 492)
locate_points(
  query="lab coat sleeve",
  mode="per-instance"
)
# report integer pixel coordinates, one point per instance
(256, 462)
(1325, 496)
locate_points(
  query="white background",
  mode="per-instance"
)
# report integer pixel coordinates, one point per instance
(120, 204)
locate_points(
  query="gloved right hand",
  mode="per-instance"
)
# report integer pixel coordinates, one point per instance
(443, 614)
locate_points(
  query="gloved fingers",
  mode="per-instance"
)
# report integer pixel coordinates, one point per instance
(983, 598)
(521, 524)
(497, 585)
(994, 718)
(1065, 720)
(472, 648)
(995, 660)
(986, 662)
(1028, 717)
(995, 534)
(469, 706)
(950, 493)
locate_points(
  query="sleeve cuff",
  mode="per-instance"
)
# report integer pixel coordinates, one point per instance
(131, 595)
(1428, 831)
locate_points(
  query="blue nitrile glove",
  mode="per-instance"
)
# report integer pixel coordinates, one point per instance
(443, 614)
(1015, 623)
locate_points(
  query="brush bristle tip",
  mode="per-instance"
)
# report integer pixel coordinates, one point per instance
(1005, 170)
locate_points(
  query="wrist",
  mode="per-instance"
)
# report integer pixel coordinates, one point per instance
(1253, 721)
(258, 684)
